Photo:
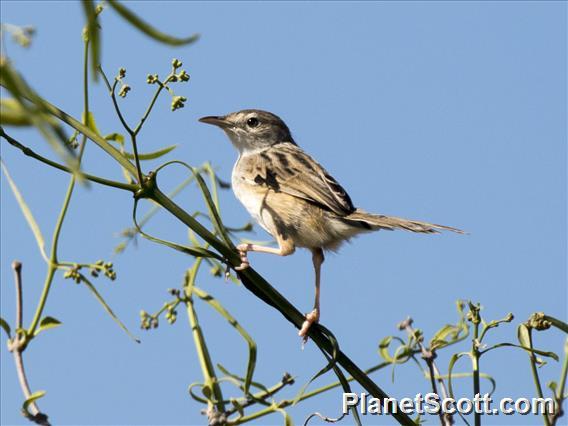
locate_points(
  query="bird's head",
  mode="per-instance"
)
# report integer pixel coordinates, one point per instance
(252, 130)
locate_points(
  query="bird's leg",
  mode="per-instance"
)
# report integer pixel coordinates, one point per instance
(285, 247)
(312, 317)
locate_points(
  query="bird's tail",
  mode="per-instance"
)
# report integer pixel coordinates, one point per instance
(377, 221)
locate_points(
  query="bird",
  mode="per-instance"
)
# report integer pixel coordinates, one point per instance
(294, 198)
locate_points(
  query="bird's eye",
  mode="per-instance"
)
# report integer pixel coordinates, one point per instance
(253, 122)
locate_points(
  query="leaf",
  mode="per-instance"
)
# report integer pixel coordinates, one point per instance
(512, 345)
(149, 30)
(151, 155)
(91, 123)
(192, 251)
(5, 326)
(12, 113)
(330, 365)
(194, 396)
(466, 375)
(47, 323)
(212, 209)
(107, 308)
(345, 386)
(523, 335)
(384, 350)
(115, 137)
(234, 323)
(118, 138)
(93, 34)
(33, 398)
(453, 360)
(26, 212)
(237, 380)
(439, 339)
(38, 113)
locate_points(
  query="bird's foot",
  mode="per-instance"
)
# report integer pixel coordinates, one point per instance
(311, 318)
(243, 249)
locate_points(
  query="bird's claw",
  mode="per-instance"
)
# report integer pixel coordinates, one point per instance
(243, 249)
(311, 318)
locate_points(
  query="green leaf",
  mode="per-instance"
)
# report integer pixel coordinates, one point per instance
(26, 212)
(33, 398)
(192, 251)
(91, 123)
(523, 335)
(453, 360)
(439, 339)
(37, 110)
(5, 326)
(12, 113)
(147, 29)
(107, 308)
(512, 345)
(330, 365)
(46, 323)
(399, 358)
(212, 209)
(345, 386)
(467, 375)
(237, 380)
(118, 138)
(214, 303)
(193, 395)
(151, 155)
(93, 34)
(115, 137)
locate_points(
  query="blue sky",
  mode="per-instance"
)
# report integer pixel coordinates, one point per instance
(451, 112)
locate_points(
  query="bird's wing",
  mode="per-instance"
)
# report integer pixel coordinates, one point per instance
(288, 169)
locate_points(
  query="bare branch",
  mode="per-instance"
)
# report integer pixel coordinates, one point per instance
(17, 346)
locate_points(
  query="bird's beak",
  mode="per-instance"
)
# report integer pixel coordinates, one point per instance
(222, 122)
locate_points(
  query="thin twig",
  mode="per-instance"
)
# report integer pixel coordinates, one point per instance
(428, 355)
(17, 267)
(132, 133)
(17, 346)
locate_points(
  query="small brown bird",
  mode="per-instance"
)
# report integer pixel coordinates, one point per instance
(294, 198)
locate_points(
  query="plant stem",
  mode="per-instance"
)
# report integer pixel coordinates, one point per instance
(132, 134)
(562, 385)
(475, 356)
(30, 153)
(428, 356)
(61, 218)
(17, 347)
(43, 299)
(534, 371)
(150, 106)
(209, 376)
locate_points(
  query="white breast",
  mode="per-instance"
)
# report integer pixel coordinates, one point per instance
(251, 199)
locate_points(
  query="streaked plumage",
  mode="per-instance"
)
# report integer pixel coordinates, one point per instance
(292, 196)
